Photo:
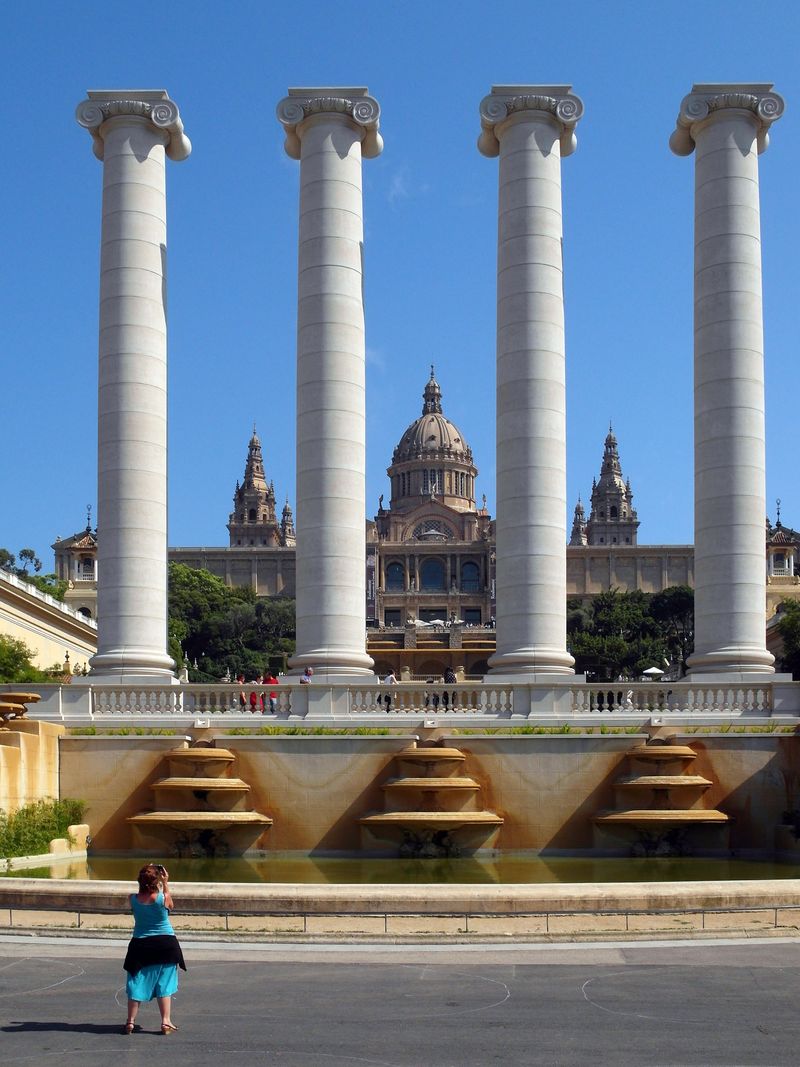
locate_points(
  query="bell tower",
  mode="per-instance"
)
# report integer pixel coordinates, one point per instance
(613, 519)
(252, 521)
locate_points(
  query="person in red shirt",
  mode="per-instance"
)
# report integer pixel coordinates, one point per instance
(273, 696)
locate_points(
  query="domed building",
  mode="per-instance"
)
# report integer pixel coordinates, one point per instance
(430, 557)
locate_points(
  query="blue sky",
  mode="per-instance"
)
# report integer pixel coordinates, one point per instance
(430, 236)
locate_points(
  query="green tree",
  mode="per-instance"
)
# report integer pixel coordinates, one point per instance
(49, 583)
(789, 629)
(224, 629)
(16, 662)
(673, 610)
(622, 634)
(28, 558)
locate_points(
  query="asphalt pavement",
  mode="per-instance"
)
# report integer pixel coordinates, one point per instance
(62, 1000)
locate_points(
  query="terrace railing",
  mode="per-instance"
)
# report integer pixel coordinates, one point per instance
(415, 701)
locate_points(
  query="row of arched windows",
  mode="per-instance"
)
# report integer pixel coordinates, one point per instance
(432, 577)
(435, 480)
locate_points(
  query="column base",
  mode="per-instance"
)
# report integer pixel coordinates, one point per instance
(548, 662)
(130, 666)
(333, 667)
(728, 662)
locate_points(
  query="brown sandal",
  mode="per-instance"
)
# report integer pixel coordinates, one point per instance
(167, 1029)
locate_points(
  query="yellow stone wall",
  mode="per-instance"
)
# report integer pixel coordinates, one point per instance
(28, 763)
(546, 788)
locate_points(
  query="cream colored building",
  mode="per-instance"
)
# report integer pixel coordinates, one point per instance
(53, 631)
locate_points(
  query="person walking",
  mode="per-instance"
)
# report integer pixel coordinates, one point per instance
(154, 952)
(390, 679)
(306, 676)
(449, 679)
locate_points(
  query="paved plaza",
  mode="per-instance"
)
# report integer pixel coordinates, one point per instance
(678, 1002)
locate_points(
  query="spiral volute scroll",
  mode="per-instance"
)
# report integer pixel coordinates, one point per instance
(89, 114)
(706, 101)
(164, 114)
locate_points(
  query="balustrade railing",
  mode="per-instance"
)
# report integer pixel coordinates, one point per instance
(678, 697)
(480, 700)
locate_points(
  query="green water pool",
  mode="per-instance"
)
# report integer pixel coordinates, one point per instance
(510, 868)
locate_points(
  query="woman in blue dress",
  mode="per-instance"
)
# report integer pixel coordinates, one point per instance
(154, 953)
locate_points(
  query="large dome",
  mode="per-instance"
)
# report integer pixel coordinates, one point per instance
(432, 433)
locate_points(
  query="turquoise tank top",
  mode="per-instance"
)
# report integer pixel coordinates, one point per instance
(150, 920)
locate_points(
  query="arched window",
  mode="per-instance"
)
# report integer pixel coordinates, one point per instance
(251, 515)
(432, 530)
(470, 577)
(432, 576)
(613, 512)
(85, 612)
(395, 578)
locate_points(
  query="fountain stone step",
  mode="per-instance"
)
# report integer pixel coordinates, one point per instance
(200, 820)
(662, 817)
(663, 781)
(206, 784)
(431, 783)
(661, 753)
(432, 820)
(430, 755)
(201, 755)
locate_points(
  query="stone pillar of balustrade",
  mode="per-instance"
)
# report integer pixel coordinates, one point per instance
(132, 131)
(329, 131)
(726, 126)
(530, 127)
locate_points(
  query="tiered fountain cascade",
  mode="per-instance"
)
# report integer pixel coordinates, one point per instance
(199, 809)
(431, 808)
(667, 799)
(13, 706)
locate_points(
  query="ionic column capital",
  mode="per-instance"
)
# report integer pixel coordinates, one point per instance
(151, 105)
(707, 100)
(556, 101)
(355, 104)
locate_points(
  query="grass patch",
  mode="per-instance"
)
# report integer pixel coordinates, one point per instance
(565, 728)
(29, 830)
(122, 731)
(311, 731)
(727, 728)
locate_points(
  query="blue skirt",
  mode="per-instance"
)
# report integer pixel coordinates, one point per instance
(155, 980)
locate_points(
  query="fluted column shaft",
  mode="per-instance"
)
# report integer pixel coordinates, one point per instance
(132, 132)
(726, 127)
(326, 130)
(530, 127)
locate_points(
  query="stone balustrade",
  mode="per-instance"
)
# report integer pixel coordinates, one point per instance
(414, 704)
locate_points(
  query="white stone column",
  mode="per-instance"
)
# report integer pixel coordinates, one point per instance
(530, 127)
(329, 131)
(132, 131)
(726, 125)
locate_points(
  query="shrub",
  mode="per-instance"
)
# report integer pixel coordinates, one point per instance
(29, 830)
